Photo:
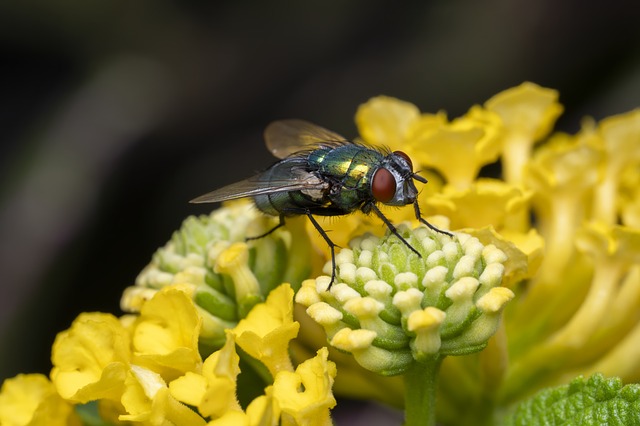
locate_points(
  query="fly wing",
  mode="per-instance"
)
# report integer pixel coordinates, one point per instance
(286, 137)
(257, 186)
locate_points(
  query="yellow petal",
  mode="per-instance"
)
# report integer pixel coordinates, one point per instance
(90, 358)
(265, 333)
(459, 149)
(450, 151)
(148, 400)
(232, 418)
(386, 121)
(214, 391)
(619, 137)
(528, 109)
(528, 112)
(486, 202)
(189, 388)
(263, 410)
(306, 394)
(30, 399)
(165, 337)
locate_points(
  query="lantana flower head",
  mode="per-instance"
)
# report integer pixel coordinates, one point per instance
(227, 275)
(390, 308)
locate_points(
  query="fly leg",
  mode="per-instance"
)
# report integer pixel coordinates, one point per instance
(280, 224)
(331, 244)
(392, 228)
(421, 219)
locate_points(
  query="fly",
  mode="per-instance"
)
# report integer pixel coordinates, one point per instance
(321, 173)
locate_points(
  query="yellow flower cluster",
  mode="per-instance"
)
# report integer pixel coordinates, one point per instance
(225, 274)
(578, 297)
(147, 370)
(209, 314)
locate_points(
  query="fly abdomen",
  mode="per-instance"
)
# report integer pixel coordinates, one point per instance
(290, 203)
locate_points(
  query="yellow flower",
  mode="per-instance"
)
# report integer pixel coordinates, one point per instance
(265, 333)
(31, 399)
(90, 360)
(302, 397)
(619, 136)
(223, 273)
(386, 121)
(305, 396)
(561, 174)
(486, 202)
(615, 255)
(459, 149)
(213, 391)
(148, 401)
(165, 336)
(528, 112)
(126, 369)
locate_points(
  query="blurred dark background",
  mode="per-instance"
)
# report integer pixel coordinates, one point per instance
(115, 113)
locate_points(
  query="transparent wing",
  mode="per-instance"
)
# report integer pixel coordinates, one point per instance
(255, 186)
(286, 137)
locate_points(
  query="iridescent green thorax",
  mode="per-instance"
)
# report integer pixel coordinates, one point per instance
(351, 166)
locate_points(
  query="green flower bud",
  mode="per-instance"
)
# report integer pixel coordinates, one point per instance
(391, 308)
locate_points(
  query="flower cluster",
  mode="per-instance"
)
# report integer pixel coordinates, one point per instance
(148, 370)
(226, 275)
(211, 335)
(391, 308)
(578, 287)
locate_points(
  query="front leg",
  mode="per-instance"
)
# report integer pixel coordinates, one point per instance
(392, 228)
(422, 220)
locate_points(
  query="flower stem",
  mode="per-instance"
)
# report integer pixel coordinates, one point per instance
(421, 383)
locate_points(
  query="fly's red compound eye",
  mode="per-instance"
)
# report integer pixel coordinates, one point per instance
(383, 185)
(406, 158)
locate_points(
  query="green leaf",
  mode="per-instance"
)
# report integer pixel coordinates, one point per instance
(592, 401)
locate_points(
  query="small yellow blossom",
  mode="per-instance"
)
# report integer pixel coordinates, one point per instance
(213, 391)
(165, 337)
(619, 137)
(386, 121)
(459, 149)
(91, 359)
(32, 400)
(148, 401)
(265, 333)
(304, 396)
(528, 112)
(486, 202)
